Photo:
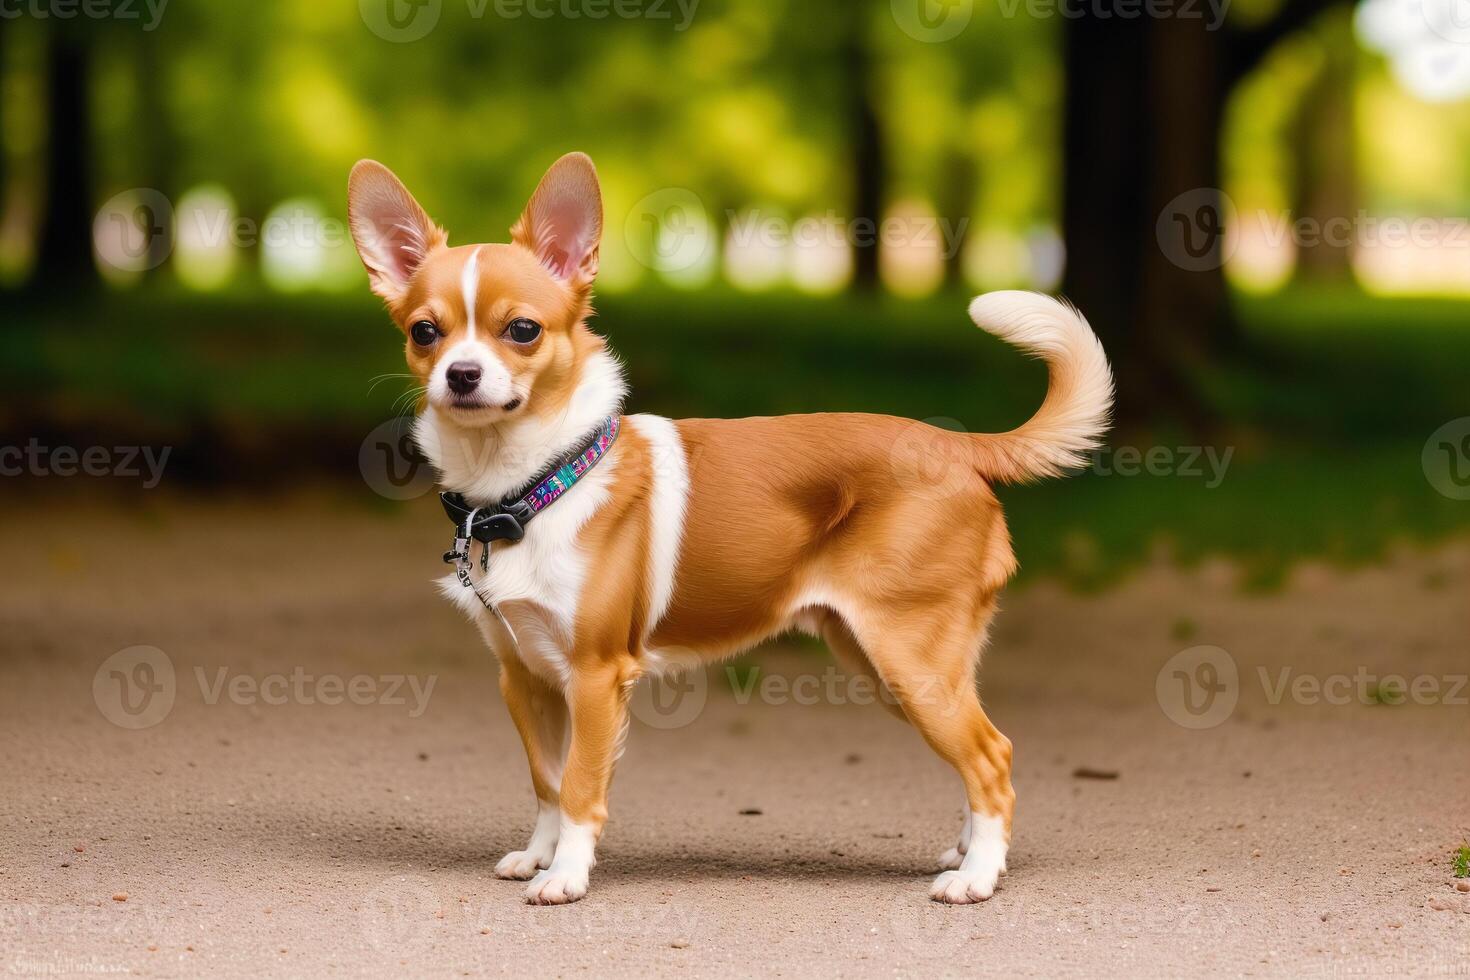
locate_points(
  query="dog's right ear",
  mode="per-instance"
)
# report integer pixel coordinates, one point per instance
(562, 224)
(393, 234)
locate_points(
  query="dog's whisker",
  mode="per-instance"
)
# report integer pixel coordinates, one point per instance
(386, 377)
(408, 398)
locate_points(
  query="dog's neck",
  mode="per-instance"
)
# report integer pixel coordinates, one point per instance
(485, 464)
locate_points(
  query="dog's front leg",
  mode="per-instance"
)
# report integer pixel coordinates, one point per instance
(540, 716)
(598, 697)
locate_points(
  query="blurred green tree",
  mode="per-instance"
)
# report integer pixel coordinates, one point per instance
(1325, 136)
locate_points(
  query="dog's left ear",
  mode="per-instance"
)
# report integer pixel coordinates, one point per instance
(393, 234)
(562, 224)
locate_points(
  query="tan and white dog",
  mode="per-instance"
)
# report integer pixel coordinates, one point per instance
(705, 535)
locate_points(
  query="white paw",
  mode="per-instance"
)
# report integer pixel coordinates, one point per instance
(964, 887)
(522, 865)
(951, 859)
(552, 887)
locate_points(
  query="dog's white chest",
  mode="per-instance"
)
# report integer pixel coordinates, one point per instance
(536, 583)
(541, 641)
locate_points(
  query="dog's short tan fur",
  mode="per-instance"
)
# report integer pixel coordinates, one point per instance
(881, 535)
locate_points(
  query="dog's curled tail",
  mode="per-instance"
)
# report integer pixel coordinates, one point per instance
(1079, 400)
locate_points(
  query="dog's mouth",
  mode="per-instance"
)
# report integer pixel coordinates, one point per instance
(473, 405)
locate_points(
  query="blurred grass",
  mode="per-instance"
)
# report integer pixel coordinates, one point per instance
(1344, 506)
(171, 359)
(1327, 422)
(1347, 367)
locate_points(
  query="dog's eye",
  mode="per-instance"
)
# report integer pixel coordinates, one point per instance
(424, 333)
(523, 331)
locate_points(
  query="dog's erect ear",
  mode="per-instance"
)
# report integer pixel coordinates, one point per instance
(393, 234)
(562, 224)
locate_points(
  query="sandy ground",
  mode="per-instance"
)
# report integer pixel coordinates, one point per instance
(248, 838)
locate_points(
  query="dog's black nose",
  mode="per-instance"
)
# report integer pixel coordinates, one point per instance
(463, 377)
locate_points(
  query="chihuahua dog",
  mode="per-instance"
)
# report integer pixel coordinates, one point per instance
(657, 541)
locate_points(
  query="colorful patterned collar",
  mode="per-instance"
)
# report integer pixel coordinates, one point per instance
(507, 521)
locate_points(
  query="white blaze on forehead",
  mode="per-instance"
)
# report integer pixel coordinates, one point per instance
(496, 385)
(469, 284)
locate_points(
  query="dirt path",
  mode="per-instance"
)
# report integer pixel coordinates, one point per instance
(253, 838)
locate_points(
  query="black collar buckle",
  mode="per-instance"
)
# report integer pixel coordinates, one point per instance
(486, 524)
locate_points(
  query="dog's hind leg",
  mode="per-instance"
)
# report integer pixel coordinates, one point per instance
(931, 672)
(850, 653)
(956, 727)
(540, 716)
(951, 859)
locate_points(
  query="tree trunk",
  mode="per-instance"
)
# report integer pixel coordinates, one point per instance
(956, 201)
(1326, 189)
(65, 251)
(154, 124)
(865, 131)
(1144, 103)
(5, 190)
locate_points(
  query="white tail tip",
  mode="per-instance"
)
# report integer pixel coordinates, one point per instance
(1076, 412)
